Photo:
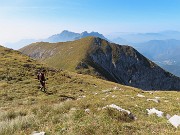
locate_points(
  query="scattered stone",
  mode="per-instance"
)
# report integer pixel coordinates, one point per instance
(154, 111)
(168, 116)
(63, 129)
(155, 100)
(82, 96)
(73, 109)
(87, 110)
(38, 133)
(139, 95)
(111, 89)
(166, 101)
(150, 92)
(95, 93)
(113, 96)
(106, 91)
(121, 110)
(175, 120)
(103, 99)
(117, 107)
(115, 88)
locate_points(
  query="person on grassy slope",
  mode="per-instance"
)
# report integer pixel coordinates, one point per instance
(42, 79)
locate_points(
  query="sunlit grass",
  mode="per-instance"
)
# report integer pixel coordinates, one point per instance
(73, 103)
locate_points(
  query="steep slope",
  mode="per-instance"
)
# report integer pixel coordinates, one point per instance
(121, 64)
(174, 68)
(75, 104)
(64, 55)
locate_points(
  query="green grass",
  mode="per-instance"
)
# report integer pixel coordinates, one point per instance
(63, 108)
(64, 55)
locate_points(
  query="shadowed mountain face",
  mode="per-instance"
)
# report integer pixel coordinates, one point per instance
(165, 53)
(95, 56)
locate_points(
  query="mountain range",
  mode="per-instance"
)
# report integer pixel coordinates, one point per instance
(98, 57)
(62, 37)
(162, 47)
(145, 37)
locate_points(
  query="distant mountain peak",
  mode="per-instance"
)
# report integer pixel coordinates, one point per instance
(65, 31)
(85, 32)
(66, 35)
(68, 32)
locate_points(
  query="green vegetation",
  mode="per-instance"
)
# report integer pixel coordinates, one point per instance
(68, 55)
(64, 55)
(73, 103)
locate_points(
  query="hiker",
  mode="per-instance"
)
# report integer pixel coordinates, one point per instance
(42, 80)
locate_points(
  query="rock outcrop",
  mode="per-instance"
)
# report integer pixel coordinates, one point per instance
(125, 65)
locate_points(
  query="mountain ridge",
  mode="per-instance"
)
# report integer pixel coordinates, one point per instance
(95, 56)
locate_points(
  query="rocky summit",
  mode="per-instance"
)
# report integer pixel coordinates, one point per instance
(98, 57)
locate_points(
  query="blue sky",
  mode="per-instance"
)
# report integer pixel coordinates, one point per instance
(40, 18)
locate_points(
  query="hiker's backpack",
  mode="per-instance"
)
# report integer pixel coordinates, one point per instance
(41, 77)
(38, 76)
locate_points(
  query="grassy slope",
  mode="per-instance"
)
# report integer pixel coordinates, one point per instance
(67, 55)
(23, 108)
(62, 52)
